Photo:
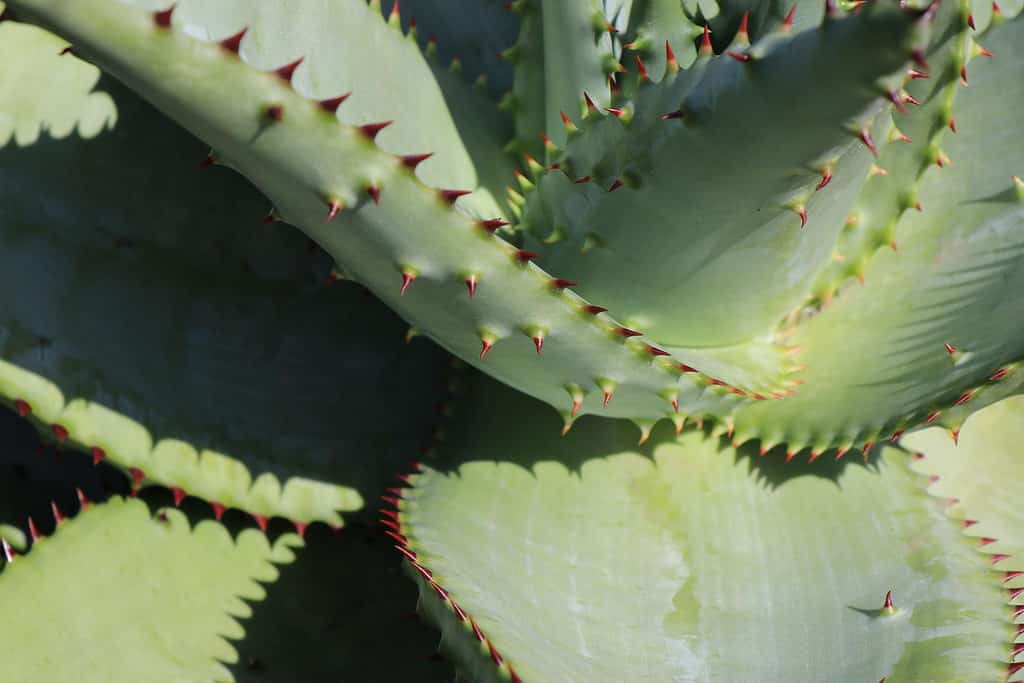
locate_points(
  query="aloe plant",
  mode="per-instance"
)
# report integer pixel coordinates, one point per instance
(715, 289)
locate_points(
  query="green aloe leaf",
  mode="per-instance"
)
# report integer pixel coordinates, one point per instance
(586, 558)
(179, 610)
(877, 358)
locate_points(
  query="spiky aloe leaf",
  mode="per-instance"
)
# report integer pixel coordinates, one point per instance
(877, 358)
(688, 170)
(133, 333)
(972, 474)
(313, 165)
(179, 610)
(589, 559)
(66, 103)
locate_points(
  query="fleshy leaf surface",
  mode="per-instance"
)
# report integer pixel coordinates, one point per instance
(589, 559)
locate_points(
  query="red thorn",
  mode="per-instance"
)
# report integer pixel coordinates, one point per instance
(451, 195)
(270, 217)
(83, 501)
(705, 41)
(641, 69)
(407, 279)
(391, 500)
(179, 495)
(963, 74)
(964, 398)
(996, 559)
(8, 551)
(803, 216)
(787, 25)
(865, 137)
(970, 21)
(952, 124)
(560, 283)
(370, 130)
(288, 70)
(33, 531)
(743, 23)
(686, 368)
(910, 99)
(584, 179)
(897, 101)
(410, 555)
(616, 111)
(538, 341)
(566, 120)
(590, 103)
(524, 256)
(485, 346)
(261, 522)
(163, 17)
(841, 452)
(914, 73)
(1010, 576)
(594, 310)
(332, 104)
(414, 160)
(670, 57)
(275, 112)
(402, 540)
(374, 192)
(218, 510)
(867, 447)
(234, 43)
(616, 185)
(627, 333)
(675, 405)
(58, 517)
(300, 528)
(896, 435)
(207, 162)
(333, 207)
(576, 403)
(999, 374)
(391, 524)
(888, 602)
(932, 417)
(654, 351)
(740, 57)
(22, 407)
(471, 285)
(984, 52)
(98, 454)
(968, 523)
(607, 398)
(950, 349)
(1013, 668)
(137, 476)
(984, 541)
(492, 224)
(60, 432)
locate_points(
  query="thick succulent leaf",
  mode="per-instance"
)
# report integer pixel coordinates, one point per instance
(310, 161)
(45, 91)
(912, 146)
(980, 479)
(336, 610)
(86, 612)
(679, 207)
(587, 559)
(652, 24)
(876, 358)
(981, 474)
(563, 50)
